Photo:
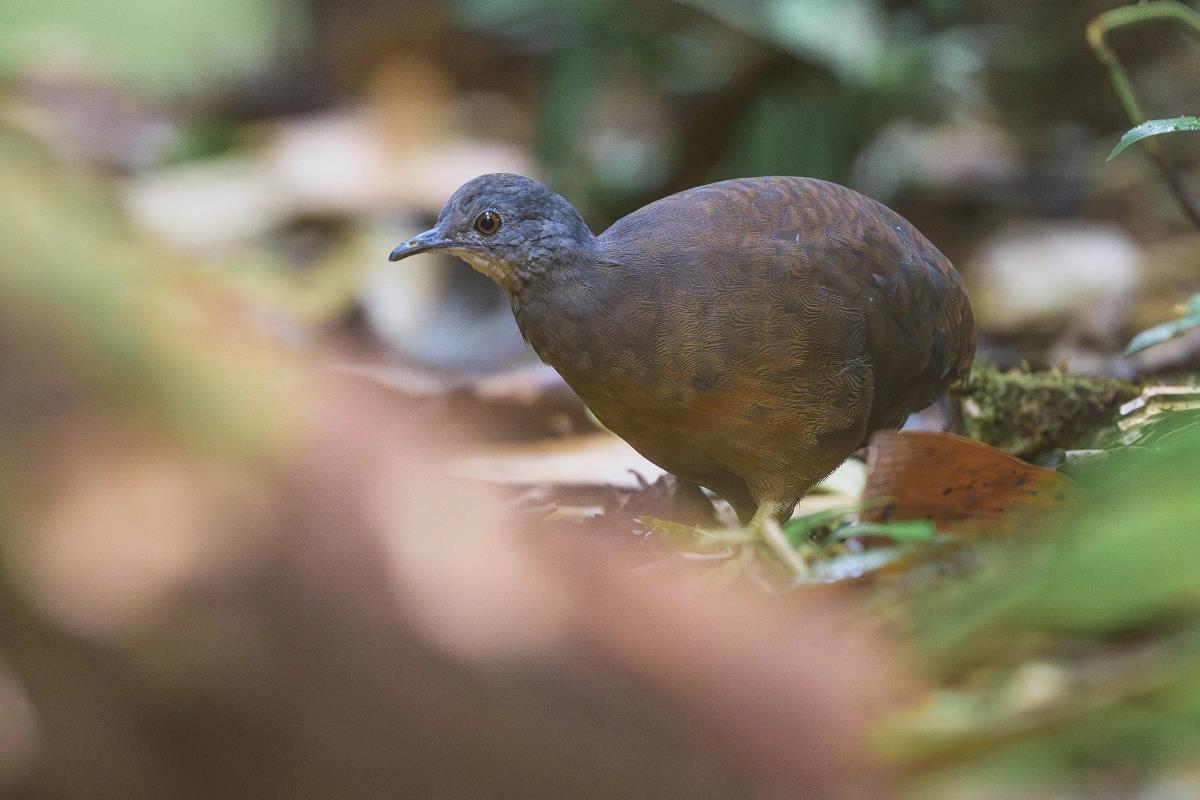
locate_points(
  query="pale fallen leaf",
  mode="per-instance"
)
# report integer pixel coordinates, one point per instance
(598, 459)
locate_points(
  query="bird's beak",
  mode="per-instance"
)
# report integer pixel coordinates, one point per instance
(429, 240)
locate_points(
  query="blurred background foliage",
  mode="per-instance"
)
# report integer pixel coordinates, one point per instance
(944, 109)
(198, 197)
(289, 132)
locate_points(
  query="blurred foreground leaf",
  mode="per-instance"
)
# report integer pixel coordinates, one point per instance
(156, 340)
(1079, 649)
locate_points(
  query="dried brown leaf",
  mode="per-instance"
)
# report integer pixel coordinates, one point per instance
(958, 483)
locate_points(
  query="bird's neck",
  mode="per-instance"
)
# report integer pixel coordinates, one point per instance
(547, 274)
(563, 293)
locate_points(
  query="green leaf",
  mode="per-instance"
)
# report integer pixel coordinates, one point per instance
(797, 530)
(916, 530)
(909, 530)
(1153, 128)
(1167, 330)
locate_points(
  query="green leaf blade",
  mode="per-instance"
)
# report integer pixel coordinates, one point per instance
(1154, 127)
(1166, 330)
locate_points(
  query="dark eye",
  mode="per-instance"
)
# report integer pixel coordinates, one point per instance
(487, 223)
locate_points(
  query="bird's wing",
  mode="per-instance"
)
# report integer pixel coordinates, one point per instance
(802, 235)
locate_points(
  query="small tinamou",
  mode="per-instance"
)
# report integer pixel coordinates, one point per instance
(746, 336)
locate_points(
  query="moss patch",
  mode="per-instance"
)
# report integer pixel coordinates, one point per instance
(1029, 414)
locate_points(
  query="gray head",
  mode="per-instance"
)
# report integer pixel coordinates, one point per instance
(508, 227)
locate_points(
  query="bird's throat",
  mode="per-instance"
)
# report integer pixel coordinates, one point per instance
(491, 265)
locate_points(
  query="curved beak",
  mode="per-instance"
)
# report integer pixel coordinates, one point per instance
(422, 242)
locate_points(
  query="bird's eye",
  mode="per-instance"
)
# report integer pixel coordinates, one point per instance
(487, 223)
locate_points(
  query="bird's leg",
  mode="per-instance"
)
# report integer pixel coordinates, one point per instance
(765, 524)
(955, 421)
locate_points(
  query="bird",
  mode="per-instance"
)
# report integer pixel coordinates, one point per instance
(747, 335)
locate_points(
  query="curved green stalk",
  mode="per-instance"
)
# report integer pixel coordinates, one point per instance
(1131, 16)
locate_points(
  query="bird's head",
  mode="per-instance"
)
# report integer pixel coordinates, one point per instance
(507, 227)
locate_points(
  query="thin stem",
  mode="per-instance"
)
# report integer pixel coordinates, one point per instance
(1131, 16)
